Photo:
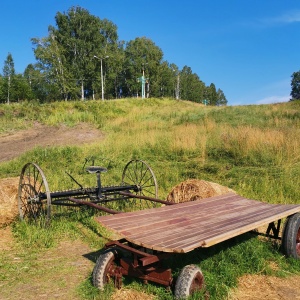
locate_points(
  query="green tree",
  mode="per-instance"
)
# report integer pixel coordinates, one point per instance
(295, 85)
(41, 87)
(8, 77)
(21, 89)
(67, 55)
(114, 71)
(111, 53)
(221, 99)
(166, 79)
(3, 94)
(82, 51)
(212, 95)
(185, 82)
(142, 56)
(191, 87)
(52, 63)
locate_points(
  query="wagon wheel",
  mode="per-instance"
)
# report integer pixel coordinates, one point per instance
(138, 173)
(104, 268)
(291, 236)
(189, 281)
(34, 199)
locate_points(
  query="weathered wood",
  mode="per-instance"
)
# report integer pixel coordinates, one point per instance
(203, 223)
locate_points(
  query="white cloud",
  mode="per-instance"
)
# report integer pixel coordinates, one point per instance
(273, 99)
(287, 18)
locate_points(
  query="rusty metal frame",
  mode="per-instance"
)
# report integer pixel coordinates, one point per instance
(275, 229)
(140, 264)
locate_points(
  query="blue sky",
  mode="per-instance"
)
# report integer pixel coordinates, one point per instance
(247, 48)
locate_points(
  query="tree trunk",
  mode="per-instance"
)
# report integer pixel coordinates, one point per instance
(82, 91)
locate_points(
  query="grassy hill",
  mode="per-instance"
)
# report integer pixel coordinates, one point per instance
(252, 149)
(255, 150)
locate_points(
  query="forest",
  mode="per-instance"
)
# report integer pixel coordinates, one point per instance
(83, 58)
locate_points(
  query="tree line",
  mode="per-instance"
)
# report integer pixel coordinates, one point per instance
(83, 58)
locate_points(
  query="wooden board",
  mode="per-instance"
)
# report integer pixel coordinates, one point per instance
(185, 226)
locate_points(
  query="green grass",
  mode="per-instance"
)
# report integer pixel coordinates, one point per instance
(254, 150)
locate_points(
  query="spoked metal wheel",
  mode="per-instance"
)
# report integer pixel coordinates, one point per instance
(138, 173)
(34, 199)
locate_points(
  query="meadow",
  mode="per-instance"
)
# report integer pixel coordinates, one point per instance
(254, 150)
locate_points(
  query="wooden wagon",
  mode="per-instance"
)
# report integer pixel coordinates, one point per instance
(149, 236)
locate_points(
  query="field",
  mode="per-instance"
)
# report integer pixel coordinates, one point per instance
(253, 150)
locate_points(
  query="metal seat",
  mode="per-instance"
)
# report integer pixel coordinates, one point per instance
(96, 169)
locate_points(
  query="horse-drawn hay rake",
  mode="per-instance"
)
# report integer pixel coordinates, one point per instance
(35, 198)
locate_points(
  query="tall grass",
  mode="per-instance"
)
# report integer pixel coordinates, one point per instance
(252, 149)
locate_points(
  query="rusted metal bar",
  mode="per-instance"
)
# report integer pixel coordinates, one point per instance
(146, 258)
(86, 192)
(146, 198)
(126, 247)
(275, 229)
(99, 207)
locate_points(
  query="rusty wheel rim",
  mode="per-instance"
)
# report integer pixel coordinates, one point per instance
(197, 283)
(298, 243)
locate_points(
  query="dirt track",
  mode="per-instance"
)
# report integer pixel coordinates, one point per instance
(16, 143)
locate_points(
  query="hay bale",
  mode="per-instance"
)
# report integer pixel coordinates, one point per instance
(194, 189)
(8, 200)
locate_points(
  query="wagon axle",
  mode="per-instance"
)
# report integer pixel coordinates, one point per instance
(137, 263)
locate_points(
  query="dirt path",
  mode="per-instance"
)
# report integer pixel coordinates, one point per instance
(14, 144)
(54, 275)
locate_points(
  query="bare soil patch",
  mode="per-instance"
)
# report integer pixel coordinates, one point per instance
(16, 143)
(55, 274)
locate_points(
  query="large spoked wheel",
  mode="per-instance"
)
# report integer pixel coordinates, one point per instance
(138, 173)
(34, 201)
(189, 281)
(291, 236)
(104, 268)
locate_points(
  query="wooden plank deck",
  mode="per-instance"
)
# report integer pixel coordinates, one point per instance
(185, 226)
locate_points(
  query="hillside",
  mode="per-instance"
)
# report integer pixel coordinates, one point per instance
(253, 150)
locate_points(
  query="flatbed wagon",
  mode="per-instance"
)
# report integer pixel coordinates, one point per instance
(151, 235)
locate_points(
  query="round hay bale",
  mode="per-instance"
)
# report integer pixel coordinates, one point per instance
(8, 200)
(194, 189)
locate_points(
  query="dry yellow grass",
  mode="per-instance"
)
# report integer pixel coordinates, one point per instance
(8, 200)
